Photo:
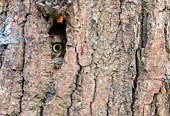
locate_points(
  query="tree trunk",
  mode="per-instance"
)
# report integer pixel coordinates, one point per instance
(114, 61)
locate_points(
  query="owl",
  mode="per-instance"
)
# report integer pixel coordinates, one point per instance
(58, 49)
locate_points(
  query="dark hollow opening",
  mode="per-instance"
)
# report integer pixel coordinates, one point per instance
(58, 28)
(58, 39)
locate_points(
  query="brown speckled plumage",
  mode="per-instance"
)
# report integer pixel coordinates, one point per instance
(58, 57)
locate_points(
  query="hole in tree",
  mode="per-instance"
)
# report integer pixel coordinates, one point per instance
(58, 27)
(58, 39)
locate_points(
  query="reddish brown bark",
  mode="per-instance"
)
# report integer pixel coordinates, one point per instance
(116, 61)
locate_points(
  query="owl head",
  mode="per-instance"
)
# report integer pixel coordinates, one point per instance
(57, 45)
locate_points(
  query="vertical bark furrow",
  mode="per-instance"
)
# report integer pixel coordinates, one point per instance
(108, 107)
(3, 47)
(120, 13)
(144, 24)
(76, 88)
(23, 44)
(166, 31)
(16, 56)
(167, 87)
(154, 105)
(113, 63)
(153, 58)
(167, 47)
(3, 16)
(93, 97)
(135, 82)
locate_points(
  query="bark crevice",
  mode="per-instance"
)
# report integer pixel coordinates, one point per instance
(135, 81)
(107, 107)
(48, 96)
(23, 56)
(154, 105)
(167, 87)
(3, 47)
(76, 85)
(6, 5)
(121, 2)
(144, 25)
(166, 35)
(94, 96)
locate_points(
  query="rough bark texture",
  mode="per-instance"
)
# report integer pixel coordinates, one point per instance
(117, 59)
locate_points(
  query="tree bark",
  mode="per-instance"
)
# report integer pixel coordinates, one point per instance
(115, 58)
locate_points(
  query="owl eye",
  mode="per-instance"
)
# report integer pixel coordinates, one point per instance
(57, 47)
